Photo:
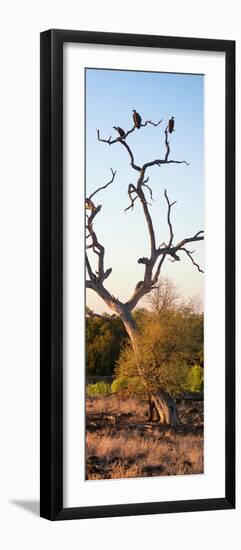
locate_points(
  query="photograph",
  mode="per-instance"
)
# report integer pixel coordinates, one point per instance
(137, 274)
(145, 274)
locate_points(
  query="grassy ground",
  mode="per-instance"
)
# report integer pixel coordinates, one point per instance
(121, 443)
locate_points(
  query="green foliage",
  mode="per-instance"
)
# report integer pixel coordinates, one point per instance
(195, 379)
(128, 385)
(100, 388)
(119, 385)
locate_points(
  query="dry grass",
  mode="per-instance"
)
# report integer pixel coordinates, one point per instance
(114, 404)
(137, 455)
(121, 443)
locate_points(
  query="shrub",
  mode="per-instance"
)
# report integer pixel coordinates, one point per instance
(130, 386)
(119, 384)
(100, 388)
(195, 379)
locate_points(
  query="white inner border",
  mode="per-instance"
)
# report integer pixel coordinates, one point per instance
(77, 491)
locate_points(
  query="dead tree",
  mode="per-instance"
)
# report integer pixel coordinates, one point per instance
(158, 399)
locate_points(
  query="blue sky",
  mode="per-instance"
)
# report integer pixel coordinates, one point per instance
(110, 97)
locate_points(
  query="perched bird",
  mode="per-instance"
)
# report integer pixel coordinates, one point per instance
(120, 131)
(171, 125)
(137, 119)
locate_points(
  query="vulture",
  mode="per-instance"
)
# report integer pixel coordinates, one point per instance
(137, 119)
(120, 131)
(171, 125)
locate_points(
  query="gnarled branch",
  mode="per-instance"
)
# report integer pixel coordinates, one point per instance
(95, 245)
(189, 253)
(103, 186)
(157, 254)
(196, 237)
(168, 250)
(119, 138)
(157, 162)
(170, 204)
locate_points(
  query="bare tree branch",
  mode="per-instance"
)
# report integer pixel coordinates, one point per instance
(119, 138)
(131, 189)
(189, 253)
(170, 204)
(167, 144)
(158, 271)
(90, 272)
(144, 204)
(90, 284)
(95, 245)
(196, 237)
(153, 123)
(144, 183)
(104, 186)
(157, 162)
(135, 166)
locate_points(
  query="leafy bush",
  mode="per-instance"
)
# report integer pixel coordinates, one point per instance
(195, 379)
(100, 388)
(119, 384)
(125, 385)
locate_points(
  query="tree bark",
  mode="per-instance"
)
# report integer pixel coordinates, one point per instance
(166, 408)
(159, 400)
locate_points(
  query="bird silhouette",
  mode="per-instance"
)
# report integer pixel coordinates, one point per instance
(137, 119)
(120, 131)
(171, 125)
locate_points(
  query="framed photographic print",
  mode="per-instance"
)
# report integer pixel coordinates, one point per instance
(137, 274)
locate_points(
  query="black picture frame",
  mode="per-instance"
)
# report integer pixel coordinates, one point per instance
(51, 324)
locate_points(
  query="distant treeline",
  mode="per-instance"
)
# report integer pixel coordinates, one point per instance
(104, 340)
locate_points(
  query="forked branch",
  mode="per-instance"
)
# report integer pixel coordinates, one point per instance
(93, 243)
(103, 186)
(152, 264)
(156, 162)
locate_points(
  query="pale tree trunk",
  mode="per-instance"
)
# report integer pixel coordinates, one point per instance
(159, 400)
(166, 408)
